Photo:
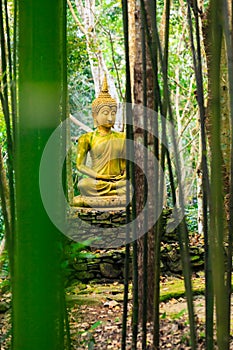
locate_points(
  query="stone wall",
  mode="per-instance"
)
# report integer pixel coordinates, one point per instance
(108, 264)
(103, 228)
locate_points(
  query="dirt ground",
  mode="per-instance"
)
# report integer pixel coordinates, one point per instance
(99, 326)
(95, 319)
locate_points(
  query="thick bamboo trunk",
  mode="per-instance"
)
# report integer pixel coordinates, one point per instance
(218, 132)
(37, 285)
(224, 104)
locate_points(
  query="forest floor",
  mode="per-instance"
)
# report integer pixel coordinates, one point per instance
(98, 323)
(95, 316)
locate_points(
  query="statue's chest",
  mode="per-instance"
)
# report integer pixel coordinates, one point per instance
(113, 148)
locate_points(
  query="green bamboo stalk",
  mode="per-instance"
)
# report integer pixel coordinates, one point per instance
(128, 212)
(229, 44)
(186, 265)
(153, 43)
(130, 169)
(14, 54)
(6, 111)
(12, 78)
(125, 301)
(145, 186)
(4, 62)
(67, 327)
(182, 228)
(4, 195)
(38, 295)
(132, 173)
(160, 189)
(135, 295)
(197, 61)
(67, 168)
(217, 207)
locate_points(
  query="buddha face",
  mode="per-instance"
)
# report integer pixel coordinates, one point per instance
(106, 116)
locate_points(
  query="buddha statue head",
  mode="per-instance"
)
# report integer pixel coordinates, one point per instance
(104, 99)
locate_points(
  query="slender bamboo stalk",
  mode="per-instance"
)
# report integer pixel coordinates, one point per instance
(14, 56)
(145, 186)
(185, 258)
(182, 228)
(12, 107)
(217, 207)
(6, 111)
(38, 295)
(4, 64)
(159, 196)
(12, 78)
(229, 44)
(64, 115)
(8, 40)
(131, 175)
(4, 195)
(135, 294)
(125, 301)
(130, 136)
(183, 233)
(128, 214)
(197, 61)
(158, 229)
(67, 327)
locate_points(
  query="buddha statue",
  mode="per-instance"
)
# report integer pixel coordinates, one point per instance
(106, 177)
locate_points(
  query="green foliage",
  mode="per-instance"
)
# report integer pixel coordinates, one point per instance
(5, 336)
(3, 137)
(110, 30)
(80, 83)
(1, 224)
(89, 340)
(182, 87)
(191, 218)
(4, 263)
(73, 253)
(5, 285)
(179, 314)
(109, 34)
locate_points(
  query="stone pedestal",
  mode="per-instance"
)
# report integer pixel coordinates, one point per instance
(104, 228)
(101, 203)
(98, 227)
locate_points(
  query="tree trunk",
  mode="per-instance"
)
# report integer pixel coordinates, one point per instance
(135, 32)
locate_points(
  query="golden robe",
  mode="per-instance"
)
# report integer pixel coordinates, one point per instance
(108, 159)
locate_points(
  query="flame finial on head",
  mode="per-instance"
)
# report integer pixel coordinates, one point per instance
(103, 99)
(104, 84)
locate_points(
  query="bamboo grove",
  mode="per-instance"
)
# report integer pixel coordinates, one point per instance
(218, 248)
(33, 94)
